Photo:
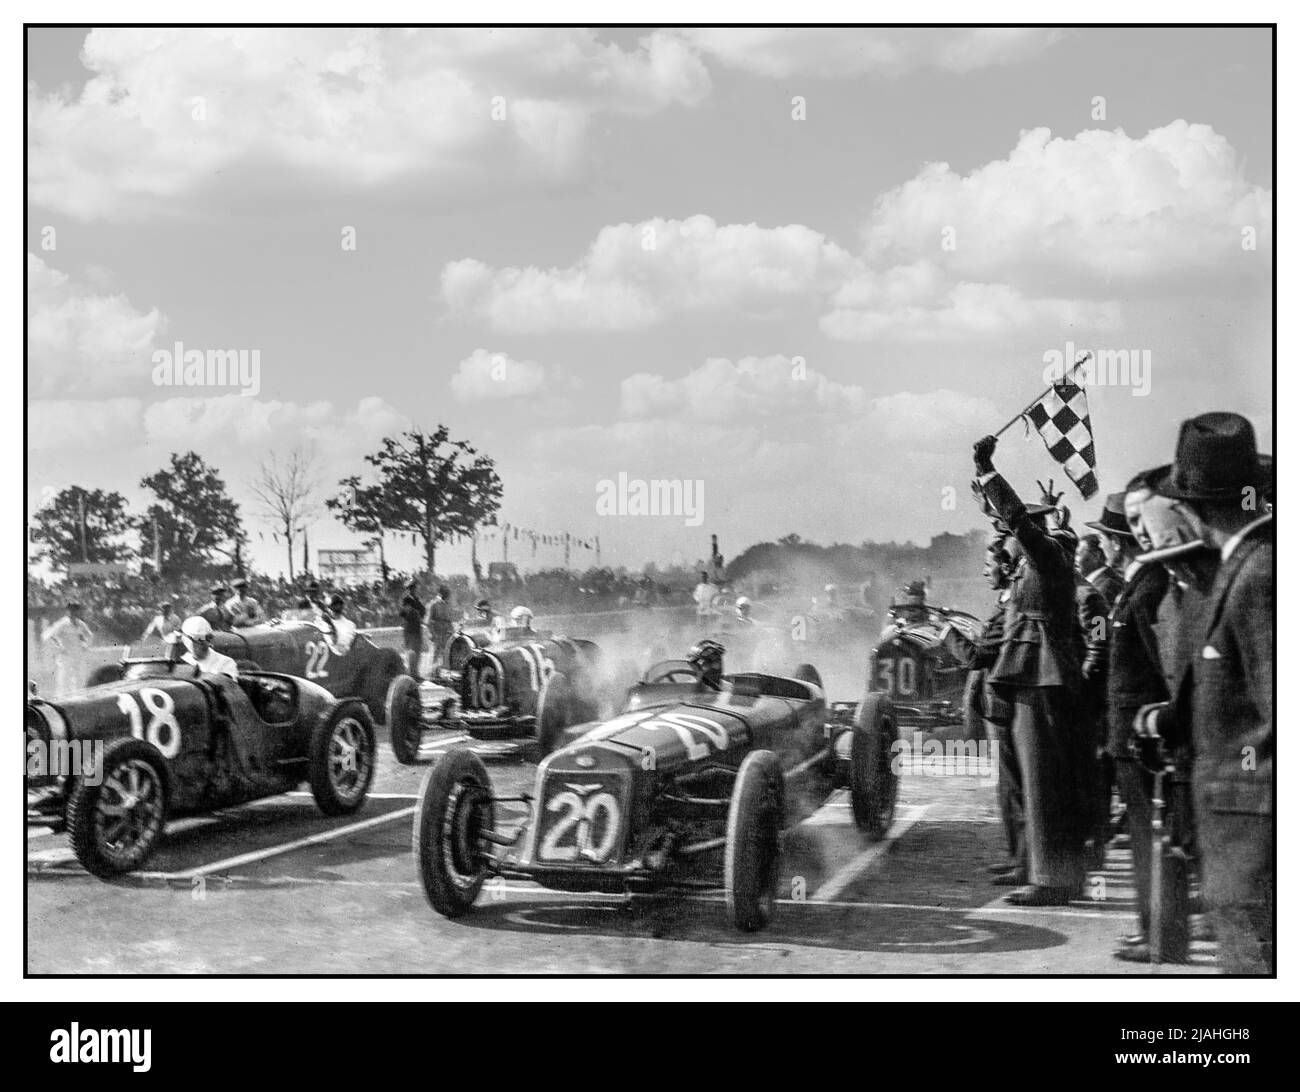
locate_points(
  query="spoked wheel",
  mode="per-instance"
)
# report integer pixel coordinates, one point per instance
(454, 815)
(342, 758)
(115, 824)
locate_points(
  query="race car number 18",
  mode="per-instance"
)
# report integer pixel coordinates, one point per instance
(163, 730)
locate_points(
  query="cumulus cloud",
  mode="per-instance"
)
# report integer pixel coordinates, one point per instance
(83, 340)
(59, 425)
(918, 302)
(720, 390)
(753, 393)
(1083, 213)
(236, 420)
(169, 112)
(781, 52)
(636, 275)
(483, 376)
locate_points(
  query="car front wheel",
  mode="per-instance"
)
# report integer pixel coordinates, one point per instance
(873, 783)
(454, 815)
(115, 823)
(404, 716)
(751, 867)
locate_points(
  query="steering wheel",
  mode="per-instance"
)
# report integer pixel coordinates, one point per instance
(670, 671)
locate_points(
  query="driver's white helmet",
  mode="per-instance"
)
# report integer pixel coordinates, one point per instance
(521, 617)
(197, 628)
(743, 604)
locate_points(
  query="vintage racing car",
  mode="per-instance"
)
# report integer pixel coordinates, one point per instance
(301, 648)
(922, 663)
(653, 797)
(111, 764)
(524, 684)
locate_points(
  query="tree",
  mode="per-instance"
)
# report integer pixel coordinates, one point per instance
(82, 525)
(194, 516)
(435, 486)
(287, 489)
(364, 510)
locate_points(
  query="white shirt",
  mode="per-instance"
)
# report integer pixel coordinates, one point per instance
(704, 596)
(162, 626)
(215, 663)
(69, 635)
(345, 632)
(1235, 541)
(243, 609)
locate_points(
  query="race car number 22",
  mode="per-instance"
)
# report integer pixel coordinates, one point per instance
(163, 730)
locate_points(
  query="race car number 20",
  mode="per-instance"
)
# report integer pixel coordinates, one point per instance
(587, 825)
(162, 730)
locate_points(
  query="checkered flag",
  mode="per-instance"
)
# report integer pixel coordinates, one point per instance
(1061, 417)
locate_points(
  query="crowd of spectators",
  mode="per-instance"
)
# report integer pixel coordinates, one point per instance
(119, 608)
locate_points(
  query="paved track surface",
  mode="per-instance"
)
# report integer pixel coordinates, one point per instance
(275, 887)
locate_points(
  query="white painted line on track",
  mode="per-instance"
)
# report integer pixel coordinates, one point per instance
(289, 847)
(430, 745)
(64, 853)
(864, 860)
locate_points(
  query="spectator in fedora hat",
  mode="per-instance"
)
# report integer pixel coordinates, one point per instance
(1222, 484)
(1112, 529)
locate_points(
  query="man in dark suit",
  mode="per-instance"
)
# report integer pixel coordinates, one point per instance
(1136, 678)
(1037, 672)
(411, 612)
(1218, 475)
(1093, 633)
(995, 713)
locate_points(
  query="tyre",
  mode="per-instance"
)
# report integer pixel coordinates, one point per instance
(751, 867)
(379, 679)
(873, 784)
(114, 826)
(105, 673)
(806, 673)
(405, 719)
(555, 712)
(455, 810)
(341, 758)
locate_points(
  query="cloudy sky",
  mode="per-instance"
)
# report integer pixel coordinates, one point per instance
(807, 267)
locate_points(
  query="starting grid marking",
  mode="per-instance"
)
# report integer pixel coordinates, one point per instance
(40, 860)
(826, 896)
(862, 863)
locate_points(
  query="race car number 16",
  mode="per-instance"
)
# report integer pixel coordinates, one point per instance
(163, 730)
